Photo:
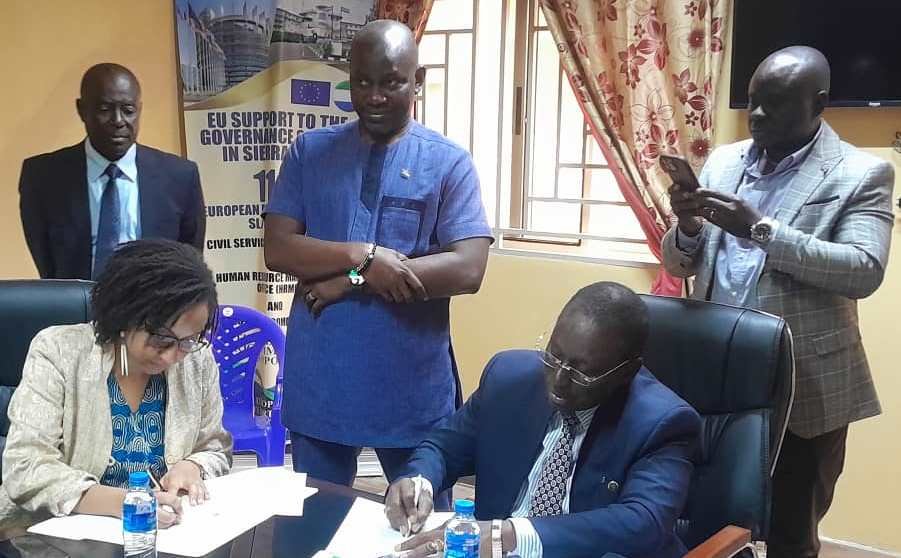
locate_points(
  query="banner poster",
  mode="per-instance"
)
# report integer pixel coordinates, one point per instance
(255, 74)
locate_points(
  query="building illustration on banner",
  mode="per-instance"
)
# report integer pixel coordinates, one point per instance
(317, 29)
(225, 42)
(202, 60)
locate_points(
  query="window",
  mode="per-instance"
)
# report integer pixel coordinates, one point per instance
(494, 85)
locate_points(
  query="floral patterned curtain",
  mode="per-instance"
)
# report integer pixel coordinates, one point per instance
(644, 72)
(415, 13)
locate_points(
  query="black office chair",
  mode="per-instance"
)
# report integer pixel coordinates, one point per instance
(735, 366)
(27, 307)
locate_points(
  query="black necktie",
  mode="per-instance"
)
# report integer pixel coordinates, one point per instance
(109, 223)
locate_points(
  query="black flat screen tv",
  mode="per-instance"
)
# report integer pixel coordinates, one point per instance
(860, 38)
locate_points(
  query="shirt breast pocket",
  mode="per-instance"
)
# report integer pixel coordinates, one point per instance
(400, 224)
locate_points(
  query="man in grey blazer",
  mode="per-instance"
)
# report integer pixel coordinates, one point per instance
(797, 223)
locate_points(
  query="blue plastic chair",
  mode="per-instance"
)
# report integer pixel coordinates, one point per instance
(241, 335)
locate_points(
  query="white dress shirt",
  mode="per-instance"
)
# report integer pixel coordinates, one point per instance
(127, 184)
(528, 543)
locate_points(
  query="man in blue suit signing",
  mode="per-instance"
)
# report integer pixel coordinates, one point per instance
(80, 202)
(578, 451)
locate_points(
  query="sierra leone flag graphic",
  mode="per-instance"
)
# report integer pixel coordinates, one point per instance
(342, 97)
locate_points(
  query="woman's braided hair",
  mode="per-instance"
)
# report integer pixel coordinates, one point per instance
(148, 284)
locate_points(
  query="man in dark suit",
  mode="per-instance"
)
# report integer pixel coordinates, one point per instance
(578, 451)
(73, 219)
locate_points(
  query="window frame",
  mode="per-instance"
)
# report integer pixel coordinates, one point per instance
(517, 85)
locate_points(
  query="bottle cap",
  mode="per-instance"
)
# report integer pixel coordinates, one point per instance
(139, 479)
(463, 505)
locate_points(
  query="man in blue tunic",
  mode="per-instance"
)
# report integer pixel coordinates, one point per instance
(381, 220)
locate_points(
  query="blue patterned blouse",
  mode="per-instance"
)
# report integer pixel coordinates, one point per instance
(137, 437)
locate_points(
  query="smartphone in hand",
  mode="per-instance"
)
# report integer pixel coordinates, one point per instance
(680, 172)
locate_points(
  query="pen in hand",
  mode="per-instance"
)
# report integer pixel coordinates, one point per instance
(154, 480)
(158, 486)
(417, 490)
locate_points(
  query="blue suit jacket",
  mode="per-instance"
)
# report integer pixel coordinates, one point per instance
(631, 478)
(56, 217)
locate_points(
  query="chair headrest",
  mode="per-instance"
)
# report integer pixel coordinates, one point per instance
(719, 358)
(27, 307)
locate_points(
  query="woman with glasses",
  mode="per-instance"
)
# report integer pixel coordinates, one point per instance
(136, 390)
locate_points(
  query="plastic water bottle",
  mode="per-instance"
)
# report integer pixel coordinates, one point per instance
(139, 517)
(462, 534)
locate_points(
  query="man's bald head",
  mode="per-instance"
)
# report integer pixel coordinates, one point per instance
(802, 67)
(98, 74)
(110, 107)
(786, 98)
(392, 38)
(384, 78)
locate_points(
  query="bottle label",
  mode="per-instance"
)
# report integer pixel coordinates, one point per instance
(139, 517)
(461, 545)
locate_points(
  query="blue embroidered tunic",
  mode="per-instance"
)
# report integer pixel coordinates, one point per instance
(367, 372)
(137, 437)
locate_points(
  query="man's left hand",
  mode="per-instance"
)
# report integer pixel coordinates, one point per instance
(316, 296)
(431, 543)
(427, 543)
(728, 212)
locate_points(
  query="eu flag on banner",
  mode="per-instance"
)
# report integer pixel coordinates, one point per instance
(310, 92)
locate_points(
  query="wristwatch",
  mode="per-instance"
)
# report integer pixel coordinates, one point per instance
(355, 274)
(356, 279)
(762, 231)
(202, 471)
(497, 543)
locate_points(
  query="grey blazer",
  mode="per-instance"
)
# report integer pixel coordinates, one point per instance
(60, 437)
(830, 249)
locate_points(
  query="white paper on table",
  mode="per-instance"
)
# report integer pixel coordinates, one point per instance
(238, 502)
(366, 533)
(80, 527)
(282, 490)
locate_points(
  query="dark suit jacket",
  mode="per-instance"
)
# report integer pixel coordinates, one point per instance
(632, 474)
(56, 218)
